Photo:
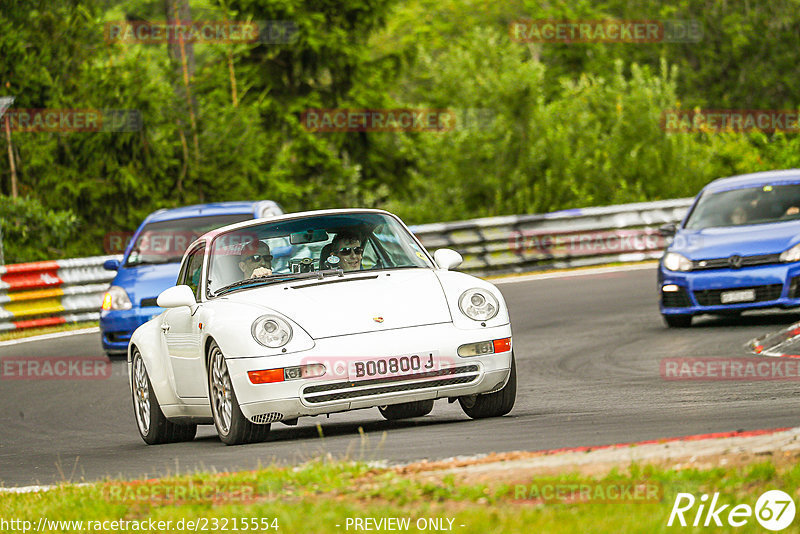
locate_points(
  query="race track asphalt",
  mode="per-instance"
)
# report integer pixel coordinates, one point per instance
(588, 352)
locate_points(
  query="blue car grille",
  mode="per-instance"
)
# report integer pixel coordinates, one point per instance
(675, 299)
(746, 261)
(713, 297)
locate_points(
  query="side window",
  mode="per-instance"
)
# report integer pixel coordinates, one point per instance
(370, 258)
(190, 274)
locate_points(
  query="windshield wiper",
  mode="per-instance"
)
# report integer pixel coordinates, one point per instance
(275, 278)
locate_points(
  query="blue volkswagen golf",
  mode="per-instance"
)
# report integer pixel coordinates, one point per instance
(737, 249)
(152, 259)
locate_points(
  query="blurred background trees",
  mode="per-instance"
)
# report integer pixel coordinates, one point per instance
(540, 127)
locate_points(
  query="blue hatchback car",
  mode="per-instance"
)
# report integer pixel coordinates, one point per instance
(737, 249)
(152, 259)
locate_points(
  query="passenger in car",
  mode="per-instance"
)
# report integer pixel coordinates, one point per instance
(347, 247)
(255, 260)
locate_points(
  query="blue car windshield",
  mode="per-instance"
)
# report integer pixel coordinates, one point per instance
(752, 205)
(278, 250)
(166, 241)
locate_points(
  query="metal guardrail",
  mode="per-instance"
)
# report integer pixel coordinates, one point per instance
(558, 240)
(49, 293)
(56, 292)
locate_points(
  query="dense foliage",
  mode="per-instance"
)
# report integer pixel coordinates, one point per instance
(539, 127)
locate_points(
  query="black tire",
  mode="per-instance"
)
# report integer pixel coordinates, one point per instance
(406, 410)
(678, 321)
(233, 428)
(153, 426)
(494, 404)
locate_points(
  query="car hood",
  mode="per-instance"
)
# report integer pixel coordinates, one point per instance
(355, 303)
(759, 239)
(146, 281)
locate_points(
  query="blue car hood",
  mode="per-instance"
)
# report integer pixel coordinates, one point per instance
(146, 281)
(723, 242)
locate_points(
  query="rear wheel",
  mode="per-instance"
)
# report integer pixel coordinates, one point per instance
(406, 410)
(232, 426)
(678, 321)
(494, 404)
(153, 426)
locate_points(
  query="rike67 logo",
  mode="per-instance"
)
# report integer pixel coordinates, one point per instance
(774, 511)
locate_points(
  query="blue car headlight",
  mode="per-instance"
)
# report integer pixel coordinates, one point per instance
(677, 262)
(792, 254)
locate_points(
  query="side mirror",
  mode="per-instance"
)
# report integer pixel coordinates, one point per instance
(111, 265)
(668, 230)
(176, 296)
(447, 258)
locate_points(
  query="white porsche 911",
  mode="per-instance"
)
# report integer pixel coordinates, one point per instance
(314, 313)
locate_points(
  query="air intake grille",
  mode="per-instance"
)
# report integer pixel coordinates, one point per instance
(675, 299)
(369, 388)
(713, 297)
(265, 418)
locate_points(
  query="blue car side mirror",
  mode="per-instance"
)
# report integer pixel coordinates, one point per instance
(111, 265)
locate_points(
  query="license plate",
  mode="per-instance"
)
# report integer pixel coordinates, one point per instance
(743, 295)
(393, 366)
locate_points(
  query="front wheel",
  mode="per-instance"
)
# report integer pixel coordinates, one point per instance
(494, 404)
(153, 426)
(232, 426)
(406, 410)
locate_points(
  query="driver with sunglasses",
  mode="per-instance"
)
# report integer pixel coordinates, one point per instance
(347, 247)
(255, 260)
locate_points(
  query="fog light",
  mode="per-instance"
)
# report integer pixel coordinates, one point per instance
(304, 371)
(671, 288)
(485, 347)
(269, 376)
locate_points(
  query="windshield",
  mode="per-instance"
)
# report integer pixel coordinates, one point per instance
(166, 241)
(752, 205)
(350, 242)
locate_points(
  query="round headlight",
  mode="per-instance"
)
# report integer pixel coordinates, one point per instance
(676, 262)
(478, 304)
(271, 331)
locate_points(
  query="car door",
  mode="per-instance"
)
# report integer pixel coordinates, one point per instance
(181, 331)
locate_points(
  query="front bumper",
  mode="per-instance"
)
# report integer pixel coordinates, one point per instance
(117, 326)
(775, 286)
(334, 392)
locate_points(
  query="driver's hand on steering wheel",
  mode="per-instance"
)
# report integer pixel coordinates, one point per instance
(261, 271)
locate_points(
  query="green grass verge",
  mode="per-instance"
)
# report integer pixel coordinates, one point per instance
(30, 332)
(320, 496)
